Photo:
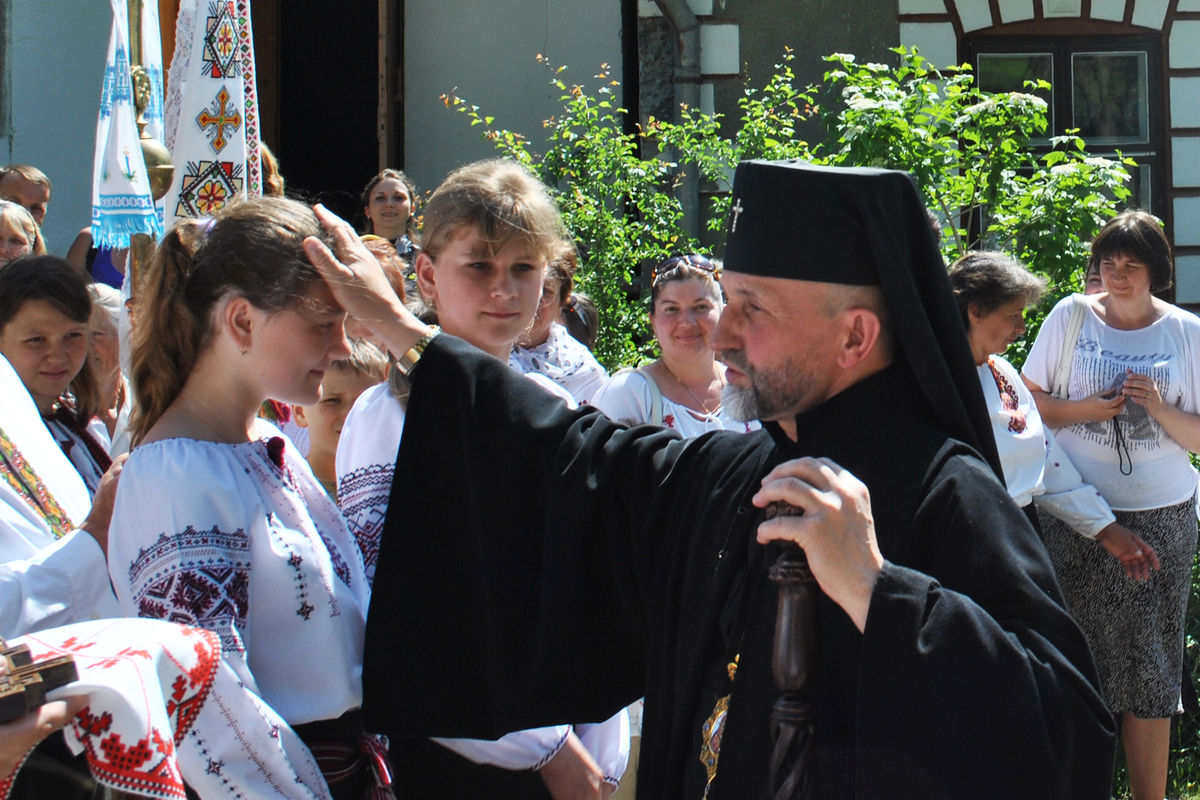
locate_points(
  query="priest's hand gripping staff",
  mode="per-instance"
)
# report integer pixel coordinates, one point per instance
(793, 663)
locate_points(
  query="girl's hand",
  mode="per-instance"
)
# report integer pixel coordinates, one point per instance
(573, 774)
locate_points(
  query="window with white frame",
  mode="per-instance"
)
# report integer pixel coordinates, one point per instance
(1105, 87)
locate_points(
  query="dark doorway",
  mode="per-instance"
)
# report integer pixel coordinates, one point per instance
(328, 93)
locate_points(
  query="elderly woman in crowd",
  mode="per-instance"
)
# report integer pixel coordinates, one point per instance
(19, 234)
(1115, 374)
(104, 356)
(993, 291)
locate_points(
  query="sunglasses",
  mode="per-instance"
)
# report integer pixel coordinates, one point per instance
(673, 263)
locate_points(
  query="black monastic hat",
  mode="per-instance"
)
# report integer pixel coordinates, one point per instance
(865, 227)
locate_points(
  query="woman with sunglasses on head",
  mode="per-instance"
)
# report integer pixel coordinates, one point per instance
(682, 390)
(1116, 375)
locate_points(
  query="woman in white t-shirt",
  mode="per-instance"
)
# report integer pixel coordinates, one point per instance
(1127, 417)
(681, 390)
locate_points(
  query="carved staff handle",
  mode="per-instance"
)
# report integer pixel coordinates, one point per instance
(793, 665)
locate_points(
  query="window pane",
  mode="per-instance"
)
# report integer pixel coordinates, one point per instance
(1110, 97)
(1139, 182)
(1007, 72)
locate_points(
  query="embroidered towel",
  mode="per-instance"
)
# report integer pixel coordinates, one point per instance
(164, 708)
(212, 109)
(121, 201)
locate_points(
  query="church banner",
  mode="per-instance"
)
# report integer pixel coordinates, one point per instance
(211, 111)
(121, 200)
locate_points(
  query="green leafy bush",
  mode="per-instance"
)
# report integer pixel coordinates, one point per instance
(981, 161)
(975, 156)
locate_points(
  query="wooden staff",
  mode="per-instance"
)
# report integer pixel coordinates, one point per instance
(793, 665)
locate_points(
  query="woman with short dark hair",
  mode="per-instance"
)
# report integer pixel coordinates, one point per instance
(1117, 375)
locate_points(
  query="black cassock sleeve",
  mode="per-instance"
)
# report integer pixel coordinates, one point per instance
(547, 527)
(981, 666)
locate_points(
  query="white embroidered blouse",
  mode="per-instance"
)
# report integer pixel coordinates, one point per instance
(1035, 466)
(628, 398)
(241, 539)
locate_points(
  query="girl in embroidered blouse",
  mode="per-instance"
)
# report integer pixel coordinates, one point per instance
(45, 310)
(218, 522)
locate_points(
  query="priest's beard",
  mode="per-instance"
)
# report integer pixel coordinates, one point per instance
(770, 395)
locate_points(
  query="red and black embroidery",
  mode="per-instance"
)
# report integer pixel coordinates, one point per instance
(1008, 401)
(363, 497)
(142, 758)
(196, 578)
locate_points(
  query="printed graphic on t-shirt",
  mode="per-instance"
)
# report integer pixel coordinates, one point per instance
(1095, 370)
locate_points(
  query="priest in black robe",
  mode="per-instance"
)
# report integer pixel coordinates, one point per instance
(541, 564)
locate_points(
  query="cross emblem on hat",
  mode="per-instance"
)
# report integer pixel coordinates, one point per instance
(737, 212)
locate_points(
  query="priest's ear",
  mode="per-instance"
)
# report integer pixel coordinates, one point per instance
(864, 338)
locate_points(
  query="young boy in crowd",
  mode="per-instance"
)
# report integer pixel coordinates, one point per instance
(345, 380)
